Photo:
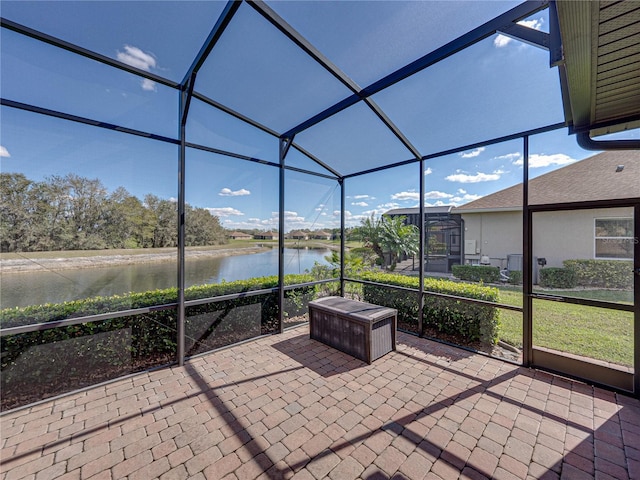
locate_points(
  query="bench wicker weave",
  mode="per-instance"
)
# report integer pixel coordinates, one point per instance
(360, 329)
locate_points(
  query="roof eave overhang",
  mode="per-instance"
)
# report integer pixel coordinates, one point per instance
(600, 67)
(463, 210)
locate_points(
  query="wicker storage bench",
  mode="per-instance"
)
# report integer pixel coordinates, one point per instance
(363, 330)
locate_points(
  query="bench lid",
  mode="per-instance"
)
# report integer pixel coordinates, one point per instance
(355, 308)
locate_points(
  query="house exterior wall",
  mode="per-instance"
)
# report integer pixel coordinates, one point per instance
(494, 234)
(557, 236)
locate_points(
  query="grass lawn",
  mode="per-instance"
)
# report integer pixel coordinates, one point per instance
(596, 333)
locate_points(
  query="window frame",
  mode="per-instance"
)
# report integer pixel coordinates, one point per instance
(596, 238)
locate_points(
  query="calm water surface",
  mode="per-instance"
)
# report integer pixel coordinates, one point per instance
(36, 288)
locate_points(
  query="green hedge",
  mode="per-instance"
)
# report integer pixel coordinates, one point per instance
(476, 273)
(515, 277)
(602, 273)
(466, 321)
(18, 316)
(554, 277)
(40, 364)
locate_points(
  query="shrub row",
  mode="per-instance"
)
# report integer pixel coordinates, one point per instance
(466, 321)
(40, 364)
(515, 277)
(18, 316)
(554, 277)
(602, 273)
(476, 273)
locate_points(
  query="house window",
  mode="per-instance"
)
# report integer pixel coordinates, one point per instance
(614, 238)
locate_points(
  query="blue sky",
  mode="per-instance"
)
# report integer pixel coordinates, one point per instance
(497, 87)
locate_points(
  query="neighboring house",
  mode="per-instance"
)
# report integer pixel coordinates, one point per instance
(266, 236)
(240, 236)
(321, 235)
(443, 232)
(295, 235)
(493, 224)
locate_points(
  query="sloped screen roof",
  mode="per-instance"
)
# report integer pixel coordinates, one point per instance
(357, 86)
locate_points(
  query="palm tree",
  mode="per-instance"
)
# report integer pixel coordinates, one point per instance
(370, 232)
(399, 239)
(390, 235)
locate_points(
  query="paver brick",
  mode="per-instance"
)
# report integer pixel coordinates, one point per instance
(29, 468)
(130, 465)
(390, 460)
(180, 456)
(347, 468)
(151, 471)
(102, 464)
(321, 465)
(483, 461)
(310, 412)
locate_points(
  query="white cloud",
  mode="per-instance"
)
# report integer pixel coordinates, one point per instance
(388, 206)
(4, 153)
(428, 171)
(535, 23)
(478, 177)
(360, 204)
(434, 194)
(406, 196)
(366, 197)
(466, 198)
(253, 222)
(541, 160)
(321, 208)
(292, 219)
(439, 203)
(347, 213)
(375, 212)
(509, 156)
(227, 192)
(502, 40)
(224, 211)
(148, 85)
(473, 153)
(137, 58)
(461, 191)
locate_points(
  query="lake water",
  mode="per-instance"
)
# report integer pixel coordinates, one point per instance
(36, 288)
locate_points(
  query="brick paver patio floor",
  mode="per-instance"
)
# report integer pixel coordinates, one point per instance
(286, 406)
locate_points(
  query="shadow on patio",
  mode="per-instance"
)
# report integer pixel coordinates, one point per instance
(289, 407)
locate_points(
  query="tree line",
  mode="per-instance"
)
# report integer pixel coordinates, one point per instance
(76, 213)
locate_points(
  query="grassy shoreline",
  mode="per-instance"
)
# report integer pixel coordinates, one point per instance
(21, 262)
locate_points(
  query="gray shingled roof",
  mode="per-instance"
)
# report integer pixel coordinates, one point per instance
(411, 210)
(594, 178)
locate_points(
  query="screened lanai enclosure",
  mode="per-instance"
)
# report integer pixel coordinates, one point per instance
(139, 137)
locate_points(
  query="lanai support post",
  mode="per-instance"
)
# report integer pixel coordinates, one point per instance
(421, 252)
(527, 263)
(285, 143)
(185, 98)
(342, 239)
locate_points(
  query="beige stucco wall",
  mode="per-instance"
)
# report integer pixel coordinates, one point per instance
(496, 235)
(557, 236)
